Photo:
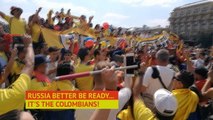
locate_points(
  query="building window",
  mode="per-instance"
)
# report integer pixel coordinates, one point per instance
(204, 9)
(188, 12)
(196, 10)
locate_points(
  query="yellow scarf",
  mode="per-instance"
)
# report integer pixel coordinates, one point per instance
(187, 103)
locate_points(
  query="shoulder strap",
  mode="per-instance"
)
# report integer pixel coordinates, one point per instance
(156, 74)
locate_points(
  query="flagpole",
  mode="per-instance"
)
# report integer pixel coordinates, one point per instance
(84, 74)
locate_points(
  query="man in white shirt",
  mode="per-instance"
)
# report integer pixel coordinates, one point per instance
(150, 85)
(199, 62)
(53, 62)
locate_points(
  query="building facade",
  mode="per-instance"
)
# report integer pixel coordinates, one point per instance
(193, 19)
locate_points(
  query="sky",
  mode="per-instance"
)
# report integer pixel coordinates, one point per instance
(124, 13)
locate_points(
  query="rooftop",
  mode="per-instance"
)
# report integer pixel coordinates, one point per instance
(195, 3)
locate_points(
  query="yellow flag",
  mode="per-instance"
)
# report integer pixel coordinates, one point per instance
(51, 37)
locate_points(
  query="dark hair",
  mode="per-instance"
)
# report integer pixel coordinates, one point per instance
(186, 78)
(97, 26)
(96, 52)
(20, 49)
(202, 54)
(172, 59)
(64, 69)
(65, 52)
(19, 9)
(83, 52)
(203, 72)
(11, 115)
(161, 117)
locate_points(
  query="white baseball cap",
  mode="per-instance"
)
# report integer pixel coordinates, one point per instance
(165, 102)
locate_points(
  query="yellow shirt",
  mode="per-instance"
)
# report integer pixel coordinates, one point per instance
(36, 31)
(55, 85)
(125, 114)
(17, 26)
(84, 83)
(15, 71)
(62, 85)
(37, 85)
(141, 112)
(187, 103)
(13, 97)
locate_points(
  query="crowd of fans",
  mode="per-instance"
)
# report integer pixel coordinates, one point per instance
(170, 84)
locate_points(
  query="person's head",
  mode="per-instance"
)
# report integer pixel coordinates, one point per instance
(165, 104)
(16, 11)
(21, 52)
(202, 55)
(97, 27)
(183, 80)
(64, 69)
(162, 57)
(172, 60)
(82, 18)
(119, 59)
(43, 48)
(99, 85)
(200, 73)
(16, 115)
(53, 52)
(98, 55)
(67, 55)
(35, 18)
(40, 64)
(83, 54)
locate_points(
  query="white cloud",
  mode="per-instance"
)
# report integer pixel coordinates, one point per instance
(58, 5)
(156, 22)
(148, 3)
(114, 18)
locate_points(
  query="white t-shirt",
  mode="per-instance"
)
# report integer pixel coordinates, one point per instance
(198, 63)
(123, 96)
(153, 85)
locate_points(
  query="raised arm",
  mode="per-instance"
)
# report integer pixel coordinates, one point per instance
(34, 17)
(90, 19)
(13, 97)
(10, 64)
(2, 14)
(49, 19)
(207, 91)
(29, 59)
(138, 82)
(110, 84)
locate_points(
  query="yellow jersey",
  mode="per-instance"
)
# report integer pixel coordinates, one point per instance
(141, 112)
(17, 26)
(14, 96)
(17, 67)
(36, 31)
(84, 83)
(187, 103)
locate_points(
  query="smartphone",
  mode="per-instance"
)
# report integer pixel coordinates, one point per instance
(129, 59)
(17, 41)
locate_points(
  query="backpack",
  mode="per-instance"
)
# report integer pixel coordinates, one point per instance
(156, 75)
